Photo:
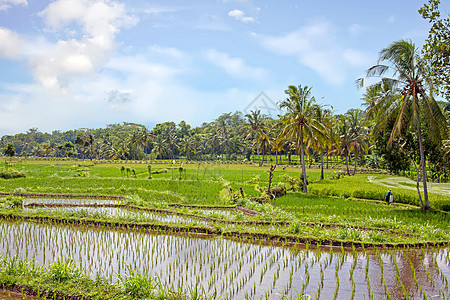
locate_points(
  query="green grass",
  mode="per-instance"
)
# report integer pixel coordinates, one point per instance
(63, 279)
(374, 187)
(370, 214)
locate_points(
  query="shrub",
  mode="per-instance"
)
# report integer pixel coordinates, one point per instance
(11, 174)
(446, 207)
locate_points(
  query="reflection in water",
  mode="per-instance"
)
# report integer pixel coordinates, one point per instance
(235, 269)
(69, 201)
(116, 212)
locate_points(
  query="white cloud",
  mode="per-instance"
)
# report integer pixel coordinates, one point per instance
(96, 22)
(358, 58)
(235, 66)
(139, 66)
(169, 51)
(146, 91)
(212, 22)
(314, 46)
(10, 43)
(317, 47)
(391, 19)
(6, 4)
(240, 16)
(357, 29)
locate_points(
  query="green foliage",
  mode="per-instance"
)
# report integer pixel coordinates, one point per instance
(295, 228)
(11, 174)
(63, 270)
(338, 175)
(397, 156)
(11, 202)
(136, 285)
(294, 183)
(436, 48)
(10, 150)
(446, 207)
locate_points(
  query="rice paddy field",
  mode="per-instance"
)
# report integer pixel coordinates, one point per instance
(95, 230)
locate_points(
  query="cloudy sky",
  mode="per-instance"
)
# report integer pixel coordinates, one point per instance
(71, 64)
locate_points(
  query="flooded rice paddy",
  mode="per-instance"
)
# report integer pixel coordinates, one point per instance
(234, 269)
(118, 213)
(27, 201)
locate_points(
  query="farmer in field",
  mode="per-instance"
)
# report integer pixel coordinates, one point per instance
(389, 197)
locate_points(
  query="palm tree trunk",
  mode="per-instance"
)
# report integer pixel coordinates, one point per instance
(346, 161)
(264, 154)
(417, 183)
(424, 169)
(448, 177)
(305, 187)
(259, 157)
(321, 165)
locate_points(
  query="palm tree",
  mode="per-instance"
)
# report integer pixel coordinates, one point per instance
(299, 122)
(358, 133)
(159, 146)
(256, 130)
(276, 144)
(171, 139)
(413, 105)
(323, 116)
(186, 145)
(223, 131)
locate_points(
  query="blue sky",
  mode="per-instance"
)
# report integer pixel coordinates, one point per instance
(72, 64)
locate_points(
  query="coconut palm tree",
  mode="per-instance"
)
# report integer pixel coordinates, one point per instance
(358, 133)
(186, 146)
(323, 116)
(223, 128)
(414, 105)
(256, 126)
(299, 121)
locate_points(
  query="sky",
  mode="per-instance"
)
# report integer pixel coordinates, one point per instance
(70, 64)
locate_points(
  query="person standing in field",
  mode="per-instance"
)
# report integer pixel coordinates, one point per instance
(389, 197)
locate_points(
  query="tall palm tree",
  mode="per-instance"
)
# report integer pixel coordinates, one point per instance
(414, 105)
(358, 133)
(171, 139)
(256, 127)
(299, 121)
(186, 146)
(276, 144)
(224, 131)
(323, 116)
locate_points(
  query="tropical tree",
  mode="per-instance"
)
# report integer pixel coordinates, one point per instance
(10, 151)
(223, 123)
(406, 73)
(437, 46)
(159, 146)
(256, 127)
(186, 146)
(299, 121)
(358, 132)
(324, 117)
(86, 141)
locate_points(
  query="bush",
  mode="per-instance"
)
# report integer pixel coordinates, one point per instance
(11, 174)
(446, 207)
